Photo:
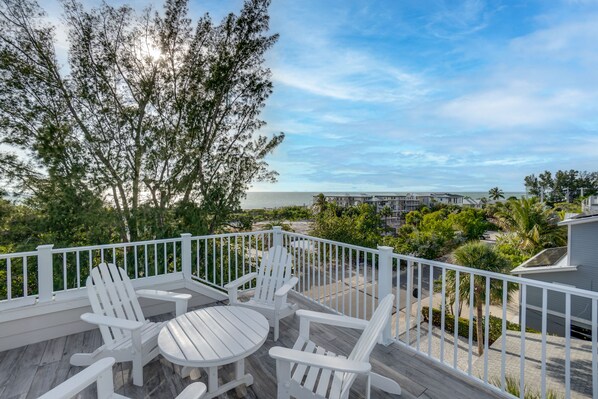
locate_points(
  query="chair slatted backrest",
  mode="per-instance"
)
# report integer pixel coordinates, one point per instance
(369, 337)
(111, 294)
(273, 273)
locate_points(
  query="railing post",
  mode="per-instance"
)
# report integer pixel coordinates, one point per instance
(277, 236)
(385, 286)
(45, 272)
(186, 255)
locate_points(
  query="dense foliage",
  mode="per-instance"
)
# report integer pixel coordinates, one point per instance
(530, 225)
(153, 117)
(358, 225)
(494, 329)
(564, 185)
(431, 234)
(286, 213)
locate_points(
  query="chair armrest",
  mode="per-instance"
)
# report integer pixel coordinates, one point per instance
(332, 319)
(82, 380)
(193, 391)
(282, 291)
(163, 295)
(111, 321)
(240, 281)
(316, 360)
(180, 300)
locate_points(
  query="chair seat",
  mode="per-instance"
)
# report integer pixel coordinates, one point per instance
(149, 336)
(267, 305)
(329, 383)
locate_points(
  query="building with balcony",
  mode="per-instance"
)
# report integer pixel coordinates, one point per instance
(590, 204)
(397, 203)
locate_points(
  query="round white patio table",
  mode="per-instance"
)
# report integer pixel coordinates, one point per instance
(212, 337)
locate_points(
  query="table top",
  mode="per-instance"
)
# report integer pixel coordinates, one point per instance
(213, 336)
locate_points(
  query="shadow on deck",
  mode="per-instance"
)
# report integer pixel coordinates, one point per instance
(30, 371)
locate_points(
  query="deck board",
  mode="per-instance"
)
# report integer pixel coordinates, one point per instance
(30, 371)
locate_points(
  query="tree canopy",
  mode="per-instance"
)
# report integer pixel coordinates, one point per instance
(563, 186)
(150, 112)
(530, 225)
(357, 225)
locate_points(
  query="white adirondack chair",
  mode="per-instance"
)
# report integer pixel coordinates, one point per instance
(274, 281)
(101, 373)
(127, 335)
(336, 373)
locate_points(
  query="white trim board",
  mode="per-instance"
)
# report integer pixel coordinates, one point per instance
(64, 320)
(73, 299)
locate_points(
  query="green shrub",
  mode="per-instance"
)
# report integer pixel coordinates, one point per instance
(495, 328)
(512, 387)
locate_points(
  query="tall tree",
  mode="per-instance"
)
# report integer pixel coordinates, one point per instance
(533, 226)
(496, 193)
(563, 186)
(479, 256)
(149, 111)
(320, 203)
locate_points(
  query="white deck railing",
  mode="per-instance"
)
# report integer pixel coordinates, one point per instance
(349, 279)
(50, 273)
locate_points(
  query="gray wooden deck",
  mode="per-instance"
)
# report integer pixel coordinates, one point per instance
(29, 371)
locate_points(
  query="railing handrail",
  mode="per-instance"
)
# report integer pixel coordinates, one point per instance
(500, 276)
(493, 275)
(327, 241)
(239, 234)
(115, 245)
(18, 254)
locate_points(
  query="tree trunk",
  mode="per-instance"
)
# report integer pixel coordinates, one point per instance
(480, 330)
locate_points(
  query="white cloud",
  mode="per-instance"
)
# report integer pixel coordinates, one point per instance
(457, 19)
(541, 79)
(514, 106)
(336, 119)
(569, 40)
(355, 78)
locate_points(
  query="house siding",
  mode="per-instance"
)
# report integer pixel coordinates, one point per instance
(583, 254)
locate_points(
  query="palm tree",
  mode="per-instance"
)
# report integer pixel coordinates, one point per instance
(484, 257)
(496, 193)
(533, 226)
(320, 203)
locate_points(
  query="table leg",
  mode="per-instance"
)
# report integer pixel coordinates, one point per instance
(240, 373)
(240, 369)
(214, 389)
(212, 379)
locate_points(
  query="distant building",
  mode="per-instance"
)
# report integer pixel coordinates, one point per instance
(346, 200)
(469, 202)
(590, 204)
(574, 265)
(399, 204)
(446, 198)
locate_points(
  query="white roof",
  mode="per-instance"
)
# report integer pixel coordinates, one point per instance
(560, 266)
(579, 220)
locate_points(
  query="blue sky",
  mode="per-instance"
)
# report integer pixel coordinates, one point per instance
(428, 95)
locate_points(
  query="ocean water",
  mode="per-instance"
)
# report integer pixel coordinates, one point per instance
(260, 200)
